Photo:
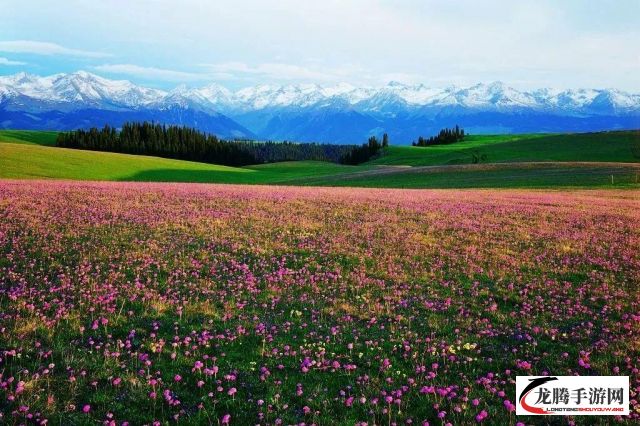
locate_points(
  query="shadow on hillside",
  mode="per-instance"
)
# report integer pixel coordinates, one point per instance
(196, 176)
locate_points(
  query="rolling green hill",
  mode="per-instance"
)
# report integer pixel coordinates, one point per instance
(28, 161)
(604, 146)
(538, 161)
(29, 137)
(25, 161)
(499, 175)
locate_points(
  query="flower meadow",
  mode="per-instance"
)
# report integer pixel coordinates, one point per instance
(131, 304)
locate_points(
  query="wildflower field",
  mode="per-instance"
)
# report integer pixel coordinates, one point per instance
(133, 303)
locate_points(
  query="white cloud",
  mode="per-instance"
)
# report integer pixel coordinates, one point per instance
(149, 72)
(280, 71)
(46, 48)
(9, 62)
(540, 42)
(231, 71)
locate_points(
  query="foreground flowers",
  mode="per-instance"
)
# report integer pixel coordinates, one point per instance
(151, 303)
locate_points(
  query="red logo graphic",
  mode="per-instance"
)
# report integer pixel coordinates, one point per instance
(530, 387)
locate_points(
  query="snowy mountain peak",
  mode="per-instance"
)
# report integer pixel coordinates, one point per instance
(83, 88)
(497, 85)
(393, 83)
(85, 74)
(181, 89)
(22, 78)
(79, 88)
(338, 113)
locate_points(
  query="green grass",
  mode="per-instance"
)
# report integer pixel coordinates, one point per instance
(604, 146)
(28, 137)
(295, 170)
(517, 159)
(285, 173)
(24, 161)
(510, 175)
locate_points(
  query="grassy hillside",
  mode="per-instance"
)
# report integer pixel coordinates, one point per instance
(25, 161)
(605, 146)
(290, 172)
(516, 161)
(505, 175)
(28, 137)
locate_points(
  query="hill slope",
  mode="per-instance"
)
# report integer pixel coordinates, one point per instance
(34, 137)
(538, 161)
(498, 175)
(24, 160)
(603, 146)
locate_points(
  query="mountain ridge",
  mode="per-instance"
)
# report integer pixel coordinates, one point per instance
(311, 112)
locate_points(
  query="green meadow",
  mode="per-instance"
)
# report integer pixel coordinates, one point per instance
(28, 137)
(591, 147)
(601, 160)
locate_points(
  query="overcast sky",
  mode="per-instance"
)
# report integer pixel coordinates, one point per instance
(527, 44)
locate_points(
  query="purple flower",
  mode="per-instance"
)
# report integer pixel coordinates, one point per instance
(481, 416)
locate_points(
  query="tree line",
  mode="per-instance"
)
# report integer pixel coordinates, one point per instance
(365, 152)
(635, 146)
(184, 143)
(445, 136)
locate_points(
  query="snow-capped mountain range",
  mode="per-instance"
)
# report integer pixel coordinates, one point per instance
(310, 112)
(77, 89)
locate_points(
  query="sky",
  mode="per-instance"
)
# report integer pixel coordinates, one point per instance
(239, 43)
